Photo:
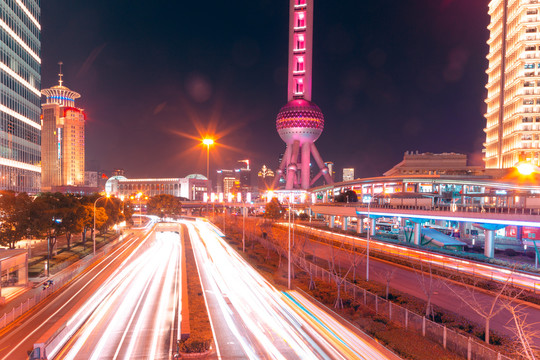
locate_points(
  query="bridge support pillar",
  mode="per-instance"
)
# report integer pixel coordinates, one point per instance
(416, 233)
(359, 222)
(489, 245)
(332, 221)
(344, 223)
(372, 225)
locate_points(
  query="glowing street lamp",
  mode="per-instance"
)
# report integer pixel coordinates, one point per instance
(207, 142)
(526, 168)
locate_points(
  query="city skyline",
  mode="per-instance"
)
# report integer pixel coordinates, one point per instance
(386, 84)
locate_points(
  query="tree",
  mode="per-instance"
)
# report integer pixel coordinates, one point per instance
(486, 308)
(525, 333)
(15, 217)
(426, 282)
(164, 206)
(347, 196)
(88, 220)
(49, 211)
(273, 209)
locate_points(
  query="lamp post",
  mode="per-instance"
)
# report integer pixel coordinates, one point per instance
(243, 225)
(368, 235)
(207, 142)
(94, 231)
(289, 256)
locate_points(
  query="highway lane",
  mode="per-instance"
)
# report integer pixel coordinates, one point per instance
(133, 314)
(252, 319)
(19, 337)
(407, 280)
(523, 280)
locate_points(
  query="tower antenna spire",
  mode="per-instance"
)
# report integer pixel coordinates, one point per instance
(60, 81)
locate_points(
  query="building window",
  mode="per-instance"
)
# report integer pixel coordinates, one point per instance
(299, 86)
(301, 19)
(300, 43)
(299, 64)
(303, 2)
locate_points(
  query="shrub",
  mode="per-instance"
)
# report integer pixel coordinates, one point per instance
(510, 252)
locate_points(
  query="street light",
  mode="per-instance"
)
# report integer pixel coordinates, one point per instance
(243, 225)
(369, 233)
(207, 142)
(526, 168)
(94, 231)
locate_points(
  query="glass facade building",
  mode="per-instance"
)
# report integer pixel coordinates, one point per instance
(513, 87)
(20, 84)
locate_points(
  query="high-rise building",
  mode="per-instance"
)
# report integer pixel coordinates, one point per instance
(330, 166)
(348, 174)
(20, 84)
(62, 146)
(513, 88)
(225, 181)
(300, 122)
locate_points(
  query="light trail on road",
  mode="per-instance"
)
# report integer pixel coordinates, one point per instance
(486, 271)
(132, 314)
(264, 322)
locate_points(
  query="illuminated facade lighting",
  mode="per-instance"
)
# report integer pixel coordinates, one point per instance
(513, 87)
(62, 139)
(20, 74)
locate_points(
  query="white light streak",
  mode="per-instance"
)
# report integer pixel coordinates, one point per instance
(14, 75)
(29, 14)
(19, 165)
(16, 37)
(16, 115)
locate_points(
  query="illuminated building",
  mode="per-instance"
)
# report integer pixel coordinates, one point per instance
(513, 87)
(348, 174)
(265, 178)
(62, 143)
(330, 166)
(192, 187)
(20, 84)
(300, 122)
(225, 181)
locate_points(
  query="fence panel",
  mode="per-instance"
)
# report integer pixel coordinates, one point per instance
(434, 331)
(415, 322)
(456, 343)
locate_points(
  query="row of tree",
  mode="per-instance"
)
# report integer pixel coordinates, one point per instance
(49, 215)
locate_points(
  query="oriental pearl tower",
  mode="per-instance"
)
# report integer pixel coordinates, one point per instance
(300, 122)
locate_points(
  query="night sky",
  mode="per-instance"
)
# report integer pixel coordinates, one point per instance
(389, 76)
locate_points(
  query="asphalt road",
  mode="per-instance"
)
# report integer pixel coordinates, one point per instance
(445, 292)
(19, 337)
(253, 320)
(134, 313)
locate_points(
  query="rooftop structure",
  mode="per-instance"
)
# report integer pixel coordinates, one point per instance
(433, 164)
(62, 143)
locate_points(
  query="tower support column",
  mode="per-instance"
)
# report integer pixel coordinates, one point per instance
(417, 232)
(344, 223)
(489, 245)
(305, 164)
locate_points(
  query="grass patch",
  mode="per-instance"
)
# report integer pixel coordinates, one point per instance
(200, 336)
